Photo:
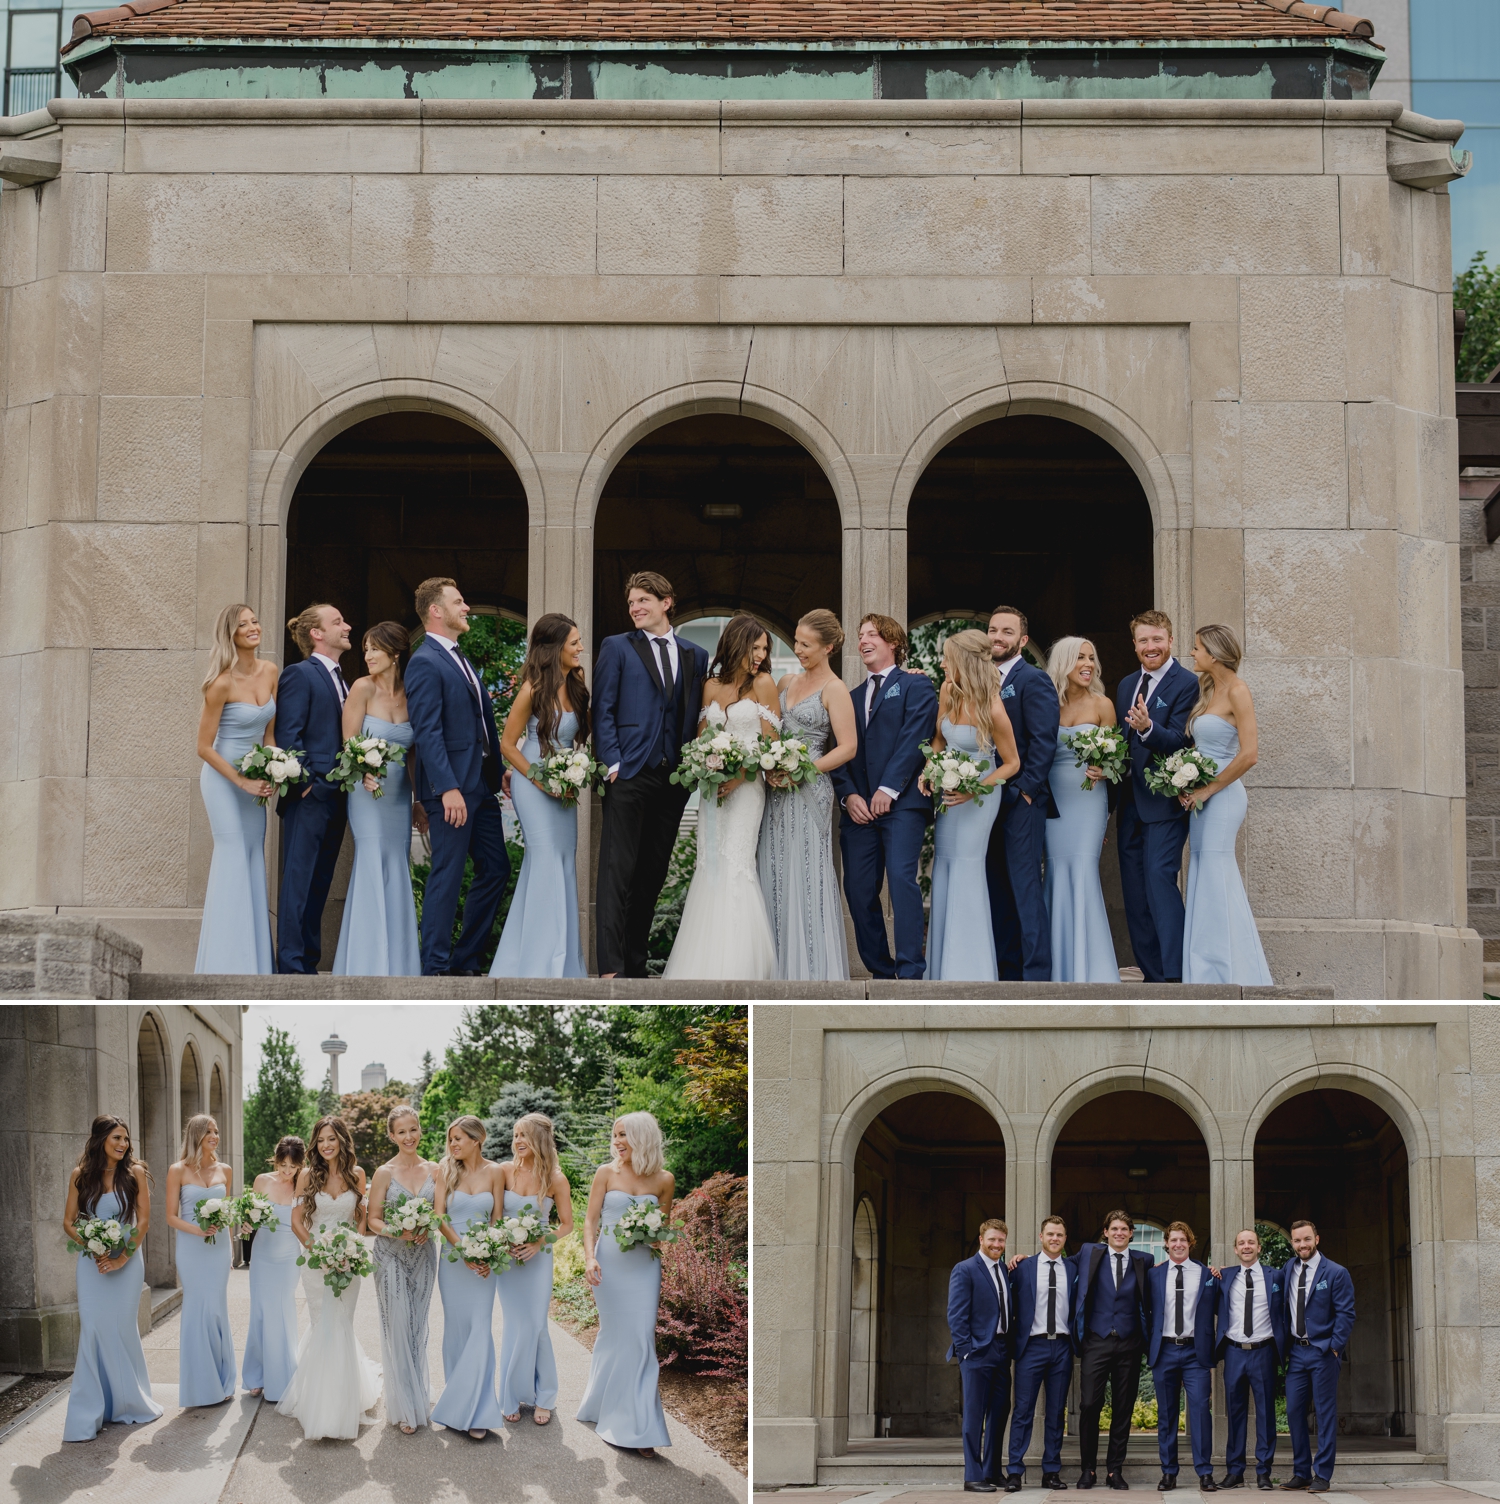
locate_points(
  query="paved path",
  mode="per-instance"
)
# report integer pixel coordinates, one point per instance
(1424, 1492)
(243, 1452)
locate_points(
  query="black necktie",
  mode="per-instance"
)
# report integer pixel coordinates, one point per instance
(1249, 1302)
(1179, 1300)
(1051, 1297)
(1000, 1296)
(1302, 1302)
(668, 682)
(877, 680)
(1119, 1270)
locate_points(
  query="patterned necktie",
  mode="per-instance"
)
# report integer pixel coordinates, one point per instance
(1249, 1302)
(1179, 1300)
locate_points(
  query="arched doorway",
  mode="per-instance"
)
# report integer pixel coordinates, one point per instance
(153, 1135)
(864, 1317)
(189, 1088)
(216, 1110)
(931, 1168)
(1337, 1159)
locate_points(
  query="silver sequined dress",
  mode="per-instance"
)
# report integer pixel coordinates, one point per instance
(404, 1273)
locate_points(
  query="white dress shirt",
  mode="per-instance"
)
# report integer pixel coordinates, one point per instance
(1293, 1273)
(332, 665)
(1002, 1292)
(1260, 1313)
(1111, 1255)
(886, 675)
(1192, 1278)
(670, 638)
(1039, 1320)
(1005, 668)
(464, 667)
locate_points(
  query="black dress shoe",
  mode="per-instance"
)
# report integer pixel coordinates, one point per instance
(1206, 1484)
(1263, 1480)
(1167, 1484)
(1115, 1480)
(1295, 1482)
(1087, 1479)
(1233, 1480)
(1054, 1480)
(1013, 1483)
(979, 1487)
(1319, 1486)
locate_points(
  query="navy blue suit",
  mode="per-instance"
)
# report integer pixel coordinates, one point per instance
(457, 748)
(640, 723)
(1190, 1367)
(902, 717)
(1151, 828)
(1312, 1370)
(1018, 838)
(1042, 1364)
(984, 1362)
(1110, 1324)
(309, 718)
(1250, 1370)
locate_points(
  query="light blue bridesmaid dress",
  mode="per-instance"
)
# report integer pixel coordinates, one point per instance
(378, 937)
(528, 1371)
(271, 1343)
(110, 1382)
(1220, 943)
(960, 934)
(1083, 950)
(468, 1401)
(205, 1356)
(235, 939)
(622, 1398)
(540, 938)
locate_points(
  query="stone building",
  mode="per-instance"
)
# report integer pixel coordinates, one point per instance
(881, 307)
(884, 1136)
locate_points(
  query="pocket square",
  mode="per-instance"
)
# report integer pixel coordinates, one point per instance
(1321, 1285)
(1161, 704)
(1008, 693)
(894, 692)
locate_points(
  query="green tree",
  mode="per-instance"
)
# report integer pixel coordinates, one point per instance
(443, 1101)
(717, 1065)
(328, 1102)
(1476, 289)
(1275, 1246)
(278, 1104)
(429, 1065)
(564, 1046)
(516, 1099)
(365, 1112)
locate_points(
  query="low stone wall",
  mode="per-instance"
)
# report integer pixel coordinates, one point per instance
(50, 955)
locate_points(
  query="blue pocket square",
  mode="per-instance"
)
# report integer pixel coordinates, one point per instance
(1161, 704)
(1008, 693)
(894, 692)
(1322, 1284)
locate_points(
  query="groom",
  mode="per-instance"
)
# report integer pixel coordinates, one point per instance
(648, 690)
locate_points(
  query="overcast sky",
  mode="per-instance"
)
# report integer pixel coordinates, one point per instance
(395, 1035)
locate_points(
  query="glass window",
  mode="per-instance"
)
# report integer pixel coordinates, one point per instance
(33, 39)
(1455, 39)
(1149, 1238)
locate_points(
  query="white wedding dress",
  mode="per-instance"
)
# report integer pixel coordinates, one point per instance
(334, 1384)
(725, 934)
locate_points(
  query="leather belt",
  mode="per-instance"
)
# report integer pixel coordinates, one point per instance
(1250, 1347)
(1181, 1341)
(1303, 1341)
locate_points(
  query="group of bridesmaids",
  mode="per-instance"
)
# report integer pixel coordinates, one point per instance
(323, 1380)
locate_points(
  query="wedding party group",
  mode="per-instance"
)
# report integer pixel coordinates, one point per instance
(1019, 766)
(313, 1215)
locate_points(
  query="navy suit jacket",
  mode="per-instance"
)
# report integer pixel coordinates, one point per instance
(1273, 1288)
(889, 755)
(1091, 1270)
(1030, 700)
(1330, 1305)
(310, 718)
(1205, 1314)
(1172, 702)
(451, 730)
(974, 1310)
(1023, 1298)
(628, 700)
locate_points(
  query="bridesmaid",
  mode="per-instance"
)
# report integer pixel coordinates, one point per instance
(110, 1382)
(467, 1189)
(622, 1398)
(405, 1267)
(549, 714)
(239, 710)
(1083, 950)
(795, 858)
(271, 1343)
(971, 719)
(378, 937)
(1220, 942)
(528, 1371)
(205, 1359)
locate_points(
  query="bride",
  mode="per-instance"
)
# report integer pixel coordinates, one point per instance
(334, 1383)
(725, 934)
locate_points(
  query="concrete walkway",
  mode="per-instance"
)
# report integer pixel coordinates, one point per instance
(243, 1452)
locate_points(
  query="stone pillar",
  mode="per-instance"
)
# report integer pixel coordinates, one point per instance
(55, 956)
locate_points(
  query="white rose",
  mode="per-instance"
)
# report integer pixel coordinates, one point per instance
(768, 760)
(372, 758)
(112, 1227)
(1108, 744)
(951, 780)
(95, 1247)
(213, 1204)
(576, 775)
(276, 771)
(653, 1220)
(1184, 776)
(969, 770)
(722, 742)
(293, 768)
(949, 763)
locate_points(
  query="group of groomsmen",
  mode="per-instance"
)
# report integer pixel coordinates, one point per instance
(1027, 1317)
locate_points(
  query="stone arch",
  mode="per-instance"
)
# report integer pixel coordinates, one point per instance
(190, 1084)
(1360, 1080)
(864, 1320)
(153, 1130)
(218, 1104)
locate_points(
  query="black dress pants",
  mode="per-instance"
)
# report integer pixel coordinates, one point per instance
(1117, 1362)
(641, 816)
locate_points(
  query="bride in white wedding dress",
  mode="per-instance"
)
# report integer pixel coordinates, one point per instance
(335, 1383)
(725, 934)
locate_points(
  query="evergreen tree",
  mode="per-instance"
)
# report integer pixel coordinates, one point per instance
(516, 1099)
(429, 1065)
(278, 1104)
(328, 1102)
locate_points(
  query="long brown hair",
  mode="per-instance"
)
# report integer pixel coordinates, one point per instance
(390, 637)
(972, 682)
(731, 657)
(92, 1164)
(344, 1162)
(224, 652)
(453, 1169)
(544, 673)
(1224, 646)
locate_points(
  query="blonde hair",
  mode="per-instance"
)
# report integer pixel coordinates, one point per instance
(193, 1132)
(399, 1111)
(301, 626)
(973, 681)
(1225, 647)
(643, 1134)
(223, 652)
(824, 625)
(536, 1128)
(470, 1127)
(1063, 659)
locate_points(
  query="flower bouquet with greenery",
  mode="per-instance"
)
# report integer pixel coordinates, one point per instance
(275, 765)
(414, 1214)
(482, 1243)
(255, 1211)
(1177, 773)
(566, 774)
(341, 1254)
(714, 758)
(364, 757)
(787, 760)
(1102, 747)
(644, 1222)
(950, 772)
(215, 1214)
(525, 1226)
(100, 1237)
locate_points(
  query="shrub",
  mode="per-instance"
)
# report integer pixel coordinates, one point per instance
(365, 1112)
(702, 1321)
(569, 1288)
(1477, 290)
(516, 1099)
(724, 1198)
(669, 905)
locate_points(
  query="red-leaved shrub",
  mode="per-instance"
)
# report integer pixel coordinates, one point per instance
(702, 1321)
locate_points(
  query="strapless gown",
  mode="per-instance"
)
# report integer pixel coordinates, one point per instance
(205, 1353)
(1083, 950)
(271, 1343)
(541, 938)
(404, 1273)
(235, 937)
(1220, 942)
(378, 937)
(623, 1397)
(110, 1382)
(960, 934)
(528, 1371)
(468, 1401)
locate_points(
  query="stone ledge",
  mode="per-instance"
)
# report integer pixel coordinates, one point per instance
(64, 956)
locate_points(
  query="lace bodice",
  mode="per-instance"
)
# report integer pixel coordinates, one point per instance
(330, 1209)
(745, 719)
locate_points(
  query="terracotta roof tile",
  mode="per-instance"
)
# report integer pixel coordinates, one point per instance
(607, 21)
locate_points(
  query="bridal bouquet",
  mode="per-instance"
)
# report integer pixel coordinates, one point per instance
(411, 1214)
(950, 772)
(364, 757)
(643, 1222)
(255, 1211)
(482, 1243)
(100, 1237)
(1101, 747)
(341, 1254)
(565, 775)
(712, 759)
(525, 1226)
(276, 765)
(1180, 773)
(215, 1214)
(786, 757)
